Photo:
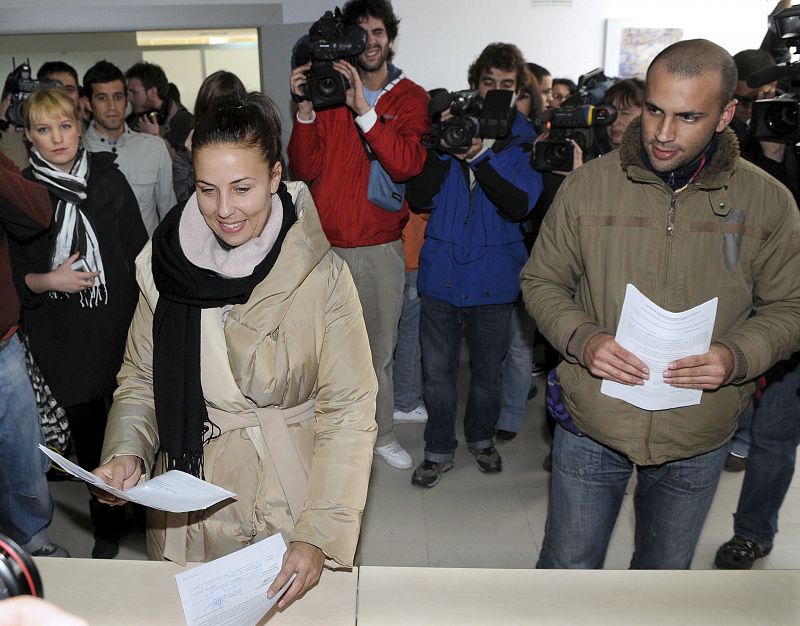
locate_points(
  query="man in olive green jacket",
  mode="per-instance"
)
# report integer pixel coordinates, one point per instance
(680, 216)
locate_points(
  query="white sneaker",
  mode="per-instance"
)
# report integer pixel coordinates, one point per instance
(417, 416)
(394, 454)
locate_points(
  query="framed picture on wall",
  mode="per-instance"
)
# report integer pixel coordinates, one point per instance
(632, 44)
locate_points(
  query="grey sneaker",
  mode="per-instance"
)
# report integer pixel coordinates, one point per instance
(52, 549)
(429, 473)
(488, 460)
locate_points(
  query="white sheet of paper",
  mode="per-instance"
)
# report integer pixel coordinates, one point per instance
(173, 491)
(232, 590)
(658, 337)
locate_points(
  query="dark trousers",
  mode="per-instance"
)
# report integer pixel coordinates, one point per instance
(87, 423)
(486, 329)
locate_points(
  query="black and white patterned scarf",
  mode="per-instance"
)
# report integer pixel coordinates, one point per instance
(74, 231)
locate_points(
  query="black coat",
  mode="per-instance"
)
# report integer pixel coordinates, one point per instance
(79, 349)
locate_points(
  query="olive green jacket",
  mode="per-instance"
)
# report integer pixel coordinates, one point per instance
(299, 338)
(734, 233)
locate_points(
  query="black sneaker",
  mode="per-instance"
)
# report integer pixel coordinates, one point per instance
(488, 460)
(429, 473)
(53, 550)
(503, 436)
(739, 553)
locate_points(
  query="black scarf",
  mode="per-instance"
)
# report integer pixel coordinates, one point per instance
(184, 290)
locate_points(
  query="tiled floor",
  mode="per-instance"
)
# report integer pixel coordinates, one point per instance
(470, 519)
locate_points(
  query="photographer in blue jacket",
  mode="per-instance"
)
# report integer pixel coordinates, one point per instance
(478, 184)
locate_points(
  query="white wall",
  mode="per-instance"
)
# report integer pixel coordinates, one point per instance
(440, 38)
(567, 41)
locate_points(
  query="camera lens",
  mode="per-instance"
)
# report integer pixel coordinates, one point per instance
(18, 573)
(326, 86)
(455, 135)
(781, 118)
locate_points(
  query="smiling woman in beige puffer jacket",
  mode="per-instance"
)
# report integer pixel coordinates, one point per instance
(247, 362)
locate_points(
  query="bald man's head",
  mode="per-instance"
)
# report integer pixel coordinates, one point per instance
(695, 57)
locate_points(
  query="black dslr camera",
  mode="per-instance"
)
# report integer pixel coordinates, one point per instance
(329, 39)
(20, 84)
(472, 116)
(576, 119)
(778, 119)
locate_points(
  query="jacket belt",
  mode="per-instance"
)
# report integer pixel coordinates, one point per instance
(292, 471)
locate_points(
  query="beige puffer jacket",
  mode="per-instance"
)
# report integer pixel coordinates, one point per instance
(733, 234)
(299, 340)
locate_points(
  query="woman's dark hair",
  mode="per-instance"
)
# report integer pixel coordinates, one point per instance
(628, 92)
(538, 71)
(569, 84)
(220, 83)
(251, 122)
(532, 90)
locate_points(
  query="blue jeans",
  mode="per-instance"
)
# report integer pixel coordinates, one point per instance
(516, 382)
(407, 353)
(775, 435)
(587, 485)
(486, 330)
(25, 503)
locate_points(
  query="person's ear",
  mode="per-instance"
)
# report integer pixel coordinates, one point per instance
(152, 94)
(727, 114)
(275, 177)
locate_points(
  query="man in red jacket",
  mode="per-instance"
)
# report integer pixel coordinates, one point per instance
(388, 112)
(25, 503)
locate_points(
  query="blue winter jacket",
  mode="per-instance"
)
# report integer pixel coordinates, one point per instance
(474, 251)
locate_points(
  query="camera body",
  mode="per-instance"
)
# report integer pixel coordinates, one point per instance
(329, 39)
(577, 119)
(776, 119)
(22, 85)
(472, 116)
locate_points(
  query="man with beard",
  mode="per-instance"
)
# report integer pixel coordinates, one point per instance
(386, 114)
(142, 158)
(678, 214)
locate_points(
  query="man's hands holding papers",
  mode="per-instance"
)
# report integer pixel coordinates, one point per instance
(306, 561)
(605, 358)
(706, 371)
(121, 472)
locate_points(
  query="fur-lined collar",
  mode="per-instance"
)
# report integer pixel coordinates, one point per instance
(723, 161)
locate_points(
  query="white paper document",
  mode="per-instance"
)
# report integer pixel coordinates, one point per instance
(658, 337)
(232, 590)
(173, 491)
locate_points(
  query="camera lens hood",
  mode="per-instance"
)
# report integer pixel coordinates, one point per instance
(18, 573)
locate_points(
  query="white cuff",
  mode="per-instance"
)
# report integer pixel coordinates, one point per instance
(311, 121)
(477, 156)
(367, 121)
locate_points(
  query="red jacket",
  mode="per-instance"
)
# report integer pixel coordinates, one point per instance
(25, 211)
(329, 154)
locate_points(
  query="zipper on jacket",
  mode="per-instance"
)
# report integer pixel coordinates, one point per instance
(469, 206)
(671, 216)
(670, 231)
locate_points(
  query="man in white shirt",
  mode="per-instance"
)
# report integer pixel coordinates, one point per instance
(142, 158)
